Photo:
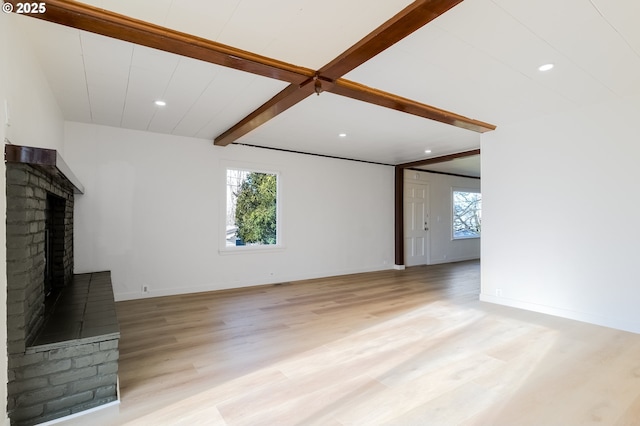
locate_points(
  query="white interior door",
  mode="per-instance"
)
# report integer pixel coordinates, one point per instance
(416, 224)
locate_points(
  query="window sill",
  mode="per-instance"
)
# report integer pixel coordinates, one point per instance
(251, 249)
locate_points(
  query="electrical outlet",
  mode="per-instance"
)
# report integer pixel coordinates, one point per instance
(145, 289)
(498, 292)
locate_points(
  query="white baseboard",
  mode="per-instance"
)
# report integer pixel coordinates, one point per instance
(253, 283)
(82, 413)
(453, 260)
(563, 313)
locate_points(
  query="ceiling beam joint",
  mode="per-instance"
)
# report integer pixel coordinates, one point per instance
(328, 78)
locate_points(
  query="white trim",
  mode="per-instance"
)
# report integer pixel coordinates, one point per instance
(399, 267)
(476, 237)
(632, 327)
(453, 259)
(119, 297)
(271, 248)
(82, 413)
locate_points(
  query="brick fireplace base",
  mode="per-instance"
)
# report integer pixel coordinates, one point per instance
(73, 364)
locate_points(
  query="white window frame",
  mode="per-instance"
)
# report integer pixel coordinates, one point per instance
(453, 191)
(251, 168)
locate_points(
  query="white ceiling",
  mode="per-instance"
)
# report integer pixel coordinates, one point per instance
(480, 60)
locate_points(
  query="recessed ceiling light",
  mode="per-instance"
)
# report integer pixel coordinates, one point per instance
(160, 103)
(343, 135)
(427, 151)
(545, 67)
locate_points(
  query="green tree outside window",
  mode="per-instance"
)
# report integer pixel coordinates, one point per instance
(256, 209)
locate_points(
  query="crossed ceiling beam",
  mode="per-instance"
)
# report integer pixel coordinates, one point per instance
(441, 159)
(329, 78)
(303, 81)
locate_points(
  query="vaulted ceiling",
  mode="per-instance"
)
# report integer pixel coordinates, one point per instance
(479, 60)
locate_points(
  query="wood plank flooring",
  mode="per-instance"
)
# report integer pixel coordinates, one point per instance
(411, 347)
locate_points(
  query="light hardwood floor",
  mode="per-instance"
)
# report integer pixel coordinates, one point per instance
(411, 347)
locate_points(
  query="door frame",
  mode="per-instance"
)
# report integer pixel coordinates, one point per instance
(399, 197)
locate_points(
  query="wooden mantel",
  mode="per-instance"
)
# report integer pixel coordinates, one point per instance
(48, 159)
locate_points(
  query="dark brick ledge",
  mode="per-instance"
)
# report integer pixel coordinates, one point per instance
(83, 310)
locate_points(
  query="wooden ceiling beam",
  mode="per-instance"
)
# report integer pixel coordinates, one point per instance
(284, 100)
(364, 93)
(413, 17)
(441, 159)
(99, 21)
(304, 81)
(404, 23)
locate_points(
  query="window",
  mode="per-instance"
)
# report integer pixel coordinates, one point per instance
(252, 213)
(467, 214)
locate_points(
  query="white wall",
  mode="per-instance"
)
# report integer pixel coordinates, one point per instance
(35, 117)
(36, 120)
(442, 247)
(152, 211)
(4, 40)
(560, 215)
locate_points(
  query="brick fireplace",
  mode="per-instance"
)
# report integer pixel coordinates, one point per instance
(62, 331)
(36, 253)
